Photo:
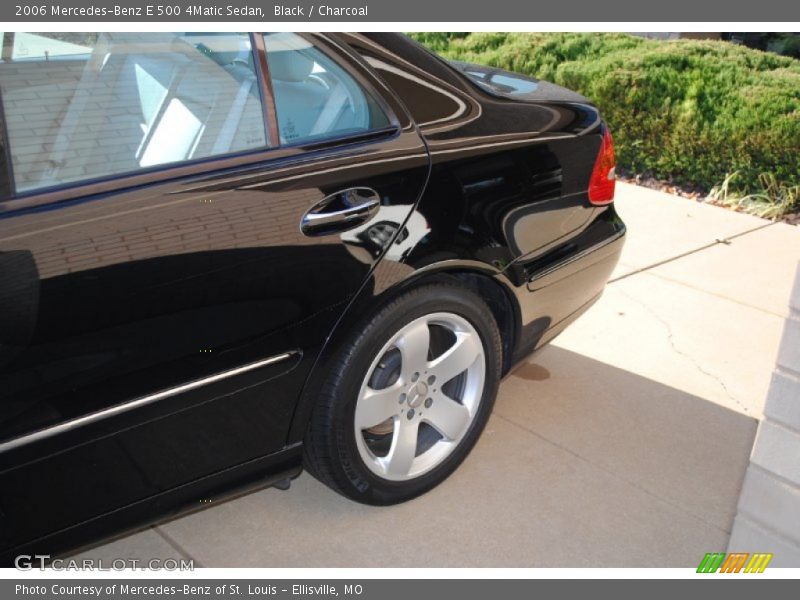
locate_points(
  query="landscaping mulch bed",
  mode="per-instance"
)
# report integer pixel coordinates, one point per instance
(693, 193)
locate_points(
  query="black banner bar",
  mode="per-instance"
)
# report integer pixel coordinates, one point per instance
(336, 11)
(702, 588)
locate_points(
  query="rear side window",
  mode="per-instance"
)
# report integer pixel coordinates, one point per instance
(82, 106)
(314, 96)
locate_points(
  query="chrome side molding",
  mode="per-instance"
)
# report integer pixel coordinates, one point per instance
(138, 402)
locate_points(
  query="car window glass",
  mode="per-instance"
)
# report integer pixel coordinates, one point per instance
(514, 85)
(81, 106)
(314, 96)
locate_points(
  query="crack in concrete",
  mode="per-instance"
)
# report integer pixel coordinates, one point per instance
(685, 355)
(726, 241)
(608, 471)
(176, 546)
(666, 324)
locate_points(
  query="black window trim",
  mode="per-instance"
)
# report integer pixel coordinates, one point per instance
(252, 158)
(382, 93)
(356, 68)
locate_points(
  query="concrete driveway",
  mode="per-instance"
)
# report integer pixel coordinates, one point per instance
(622, 444)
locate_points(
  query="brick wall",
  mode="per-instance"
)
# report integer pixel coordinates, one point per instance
(768, 518)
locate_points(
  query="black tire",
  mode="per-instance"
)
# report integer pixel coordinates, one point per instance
(331, 453)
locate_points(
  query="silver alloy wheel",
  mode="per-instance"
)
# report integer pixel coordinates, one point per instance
(416, 398)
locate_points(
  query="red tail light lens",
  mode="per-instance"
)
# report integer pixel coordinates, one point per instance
(601, 185)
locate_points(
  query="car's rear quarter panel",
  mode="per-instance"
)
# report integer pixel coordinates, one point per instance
(508, 188)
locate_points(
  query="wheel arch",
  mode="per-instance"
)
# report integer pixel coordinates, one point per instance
(500, 301)
(489, 283)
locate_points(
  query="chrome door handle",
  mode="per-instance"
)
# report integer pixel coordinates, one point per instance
(341, 211)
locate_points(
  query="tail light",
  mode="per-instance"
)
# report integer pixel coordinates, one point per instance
(601, 185)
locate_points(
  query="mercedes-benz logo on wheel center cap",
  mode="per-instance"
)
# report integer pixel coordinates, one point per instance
(417, 394)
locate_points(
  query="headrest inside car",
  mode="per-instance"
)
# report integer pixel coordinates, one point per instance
(289, 65)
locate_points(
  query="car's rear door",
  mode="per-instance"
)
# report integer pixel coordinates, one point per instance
(176, 243)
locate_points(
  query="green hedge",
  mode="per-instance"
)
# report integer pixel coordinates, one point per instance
(686, 111)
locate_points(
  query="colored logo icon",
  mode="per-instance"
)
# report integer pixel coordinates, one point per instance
(735, 562)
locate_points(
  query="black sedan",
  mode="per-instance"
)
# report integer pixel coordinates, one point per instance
(224, 257)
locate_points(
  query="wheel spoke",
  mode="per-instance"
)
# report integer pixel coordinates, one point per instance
(413, 346)
(375, 406)
(417, 397)
(404, 448)
(457, 359)
(449, 417)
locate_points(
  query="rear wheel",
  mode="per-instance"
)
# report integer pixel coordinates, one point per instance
(407, 397)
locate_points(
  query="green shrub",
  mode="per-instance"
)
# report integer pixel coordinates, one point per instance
(691, 112)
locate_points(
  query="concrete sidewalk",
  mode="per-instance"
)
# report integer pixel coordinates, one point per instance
(622, 444)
